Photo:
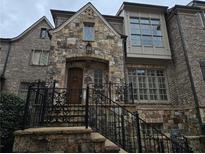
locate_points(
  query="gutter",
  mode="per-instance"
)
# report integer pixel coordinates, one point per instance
(2, 76)
(190, 73)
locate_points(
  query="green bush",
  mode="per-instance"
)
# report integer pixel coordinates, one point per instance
(11, 109)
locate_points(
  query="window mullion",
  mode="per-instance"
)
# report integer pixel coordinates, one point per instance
(157, 86)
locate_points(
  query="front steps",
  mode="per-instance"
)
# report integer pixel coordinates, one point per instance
(62, 139)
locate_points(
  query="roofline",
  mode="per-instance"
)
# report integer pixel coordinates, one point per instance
(89, 4)
(196, 1)
(140, 5)
(73, 12)
(28, 29)
(177, 7)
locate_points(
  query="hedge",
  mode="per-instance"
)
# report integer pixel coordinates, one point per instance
(11, 115)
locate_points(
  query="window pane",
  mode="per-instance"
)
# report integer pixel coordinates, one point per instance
(98, 78)
(156, 31)
(44, 58)
(203, 71)
(135, 29)
(147, 40)
(146, 29)
(136, 40)
(44, 33)
(158, 42)
(155, 21)
(144, 21)
(88, 33)
(134, 20)
(36, 57)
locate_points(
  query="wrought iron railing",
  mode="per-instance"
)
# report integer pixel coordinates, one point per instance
(51, 106)
(127, 129)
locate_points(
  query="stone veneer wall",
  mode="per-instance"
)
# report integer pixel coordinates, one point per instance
(68, 43)
(18, 67)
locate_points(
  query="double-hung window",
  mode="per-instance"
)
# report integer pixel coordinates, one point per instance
(39, 57)
(88, 32)
(146, 32)
(148, 84)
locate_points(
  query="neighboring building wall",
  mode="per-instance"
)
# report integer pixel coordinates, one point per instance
(187, 39)
(4, 46)
(19, 68)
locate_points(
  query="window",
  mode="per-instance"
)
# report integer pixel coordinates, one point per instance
(203, 18)
(23, 89)
(148, 84)
(88, 32)
(39, 57)
(202, 64)
(44, 33)
(146, 32)
(98, 78)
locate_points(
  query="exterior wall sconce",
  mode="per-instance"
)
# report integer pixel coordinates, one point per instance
(89, 48)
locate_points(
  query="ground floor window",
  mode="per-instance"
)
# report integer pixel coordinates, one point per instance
(148, 84)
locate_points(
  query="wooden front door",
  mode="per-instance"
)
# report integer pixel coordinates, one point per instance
(75, 79)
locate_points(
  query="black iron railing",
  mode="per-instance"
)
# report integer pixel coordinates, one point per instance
(51, 106)
(127, 129)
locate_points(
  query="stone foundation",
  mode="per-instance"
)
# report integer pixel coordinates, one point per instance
(61, 139)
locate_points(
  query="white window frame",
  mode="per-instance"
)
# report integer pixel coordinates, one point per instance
(39, 60)
(152, 36)
(148, 88)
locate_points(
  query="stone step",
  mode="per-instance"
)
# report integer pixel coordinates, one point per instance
(110, 147)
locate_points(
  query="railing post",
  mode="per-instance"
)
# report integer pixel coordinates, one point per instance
(87, 107)
(53, 90)
(110, 91)
(44, 105)
(123, 131)
(139, 141)
(26, 107)
(132, 94)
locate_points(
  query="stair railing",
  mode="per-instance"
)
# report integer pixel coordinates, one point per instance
(125, 128)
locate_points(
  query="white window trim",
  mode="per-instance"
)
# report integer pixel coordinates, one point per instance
(162, 37)
(152, 101)
(32, 54)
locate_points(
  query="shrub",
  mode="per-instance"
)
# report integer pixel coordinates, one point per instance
(11, 109)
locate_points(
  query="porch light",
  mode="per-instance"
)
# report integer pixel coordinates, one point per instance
(89, 48)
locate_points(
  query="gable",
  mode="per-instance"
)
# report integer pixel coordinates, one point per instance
(90, 10)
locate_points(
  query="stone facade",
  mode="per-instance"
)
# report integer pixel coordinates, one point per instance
(68, 44)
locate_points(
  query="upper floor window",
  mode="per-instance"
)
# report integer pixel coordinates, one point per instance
(148, 84)
(202, 65)
(146, 32)
(203, 18)
(44, 33)
(88, 32)
(39, 57)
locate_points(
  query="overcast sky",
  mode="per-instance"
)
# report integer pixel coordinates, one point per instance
(17, 15)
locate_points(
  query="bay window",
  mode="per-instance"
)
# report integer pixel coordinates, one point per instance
(146, 32)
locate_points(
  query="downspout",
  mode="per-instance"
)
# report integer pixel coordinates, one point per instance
(189, 73)
(124, 41)
(2, 77)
